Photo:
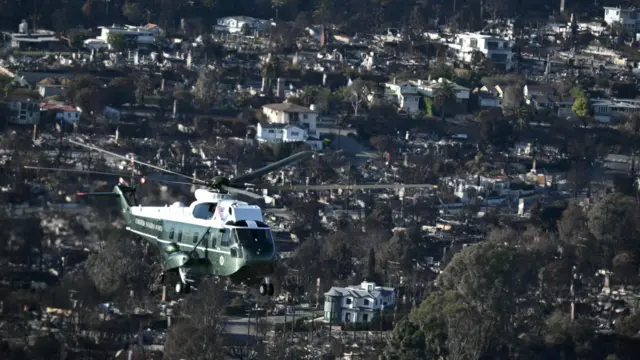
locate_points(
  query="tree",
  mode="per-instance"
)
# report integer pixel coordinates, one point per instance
(87, 8)
(76, 39)
(612, 221)
(117, 42)
(144, 87)
(487, 281)
(371, 265)
(117, 266)
(206, 89)
(199, 335)
(406, 343)
(444, 93)
(277, 4)
(581, 103)
(513, 96)
(356, 94)
(133, 12)
(120, 91)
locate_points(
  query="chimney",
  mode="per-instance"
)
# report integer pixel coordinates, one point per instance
(280, 87)
(175, 108)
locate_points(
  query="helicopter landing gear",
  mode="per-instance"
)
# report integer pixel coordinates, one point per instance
(183, 286)
(266, 288)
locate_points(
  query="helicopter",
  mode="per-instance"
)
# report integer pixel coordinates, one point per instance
(217, 234)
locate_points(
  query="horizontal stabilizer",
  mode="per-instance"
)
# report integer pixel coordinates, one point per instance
(105, 193)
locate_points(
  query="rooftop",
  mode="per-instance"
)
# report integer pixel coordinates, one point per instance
(288, 107)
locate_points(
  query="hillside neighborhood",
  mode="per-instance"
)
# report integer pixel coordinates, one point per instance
(522, 132)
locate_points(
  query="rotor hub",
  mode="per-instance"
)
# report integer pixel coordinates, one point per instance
(219, 181)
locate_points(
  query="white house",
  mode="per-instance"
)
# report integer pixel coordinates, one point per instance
(65, 113)
(238, 24)
(495, 49)
(629, 18)
(357, 303)
(292, 114)
(280, 133)
(404, 94)
(607, 110)
(138, 34)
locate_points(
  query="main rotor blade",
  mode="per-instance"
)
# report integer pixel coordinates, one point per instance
(344, 187)
(269, 168)
(242, 192)
(91, 147)
(90, 172)
(76, 171)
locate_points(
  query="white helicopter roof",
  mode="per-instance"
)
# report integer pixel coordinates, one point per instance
(225, 210)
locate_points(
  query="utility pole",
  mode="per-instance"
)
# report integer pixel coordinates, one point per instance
(572, 292)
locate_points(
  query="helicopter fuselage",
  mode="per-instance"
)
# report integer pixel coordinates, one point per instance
(213, 236)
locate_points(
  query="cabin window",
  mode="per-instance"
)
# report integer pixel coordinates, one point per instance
(226, 239)
(215, 238)
(195, 238)
(171, 234)
(179, 236)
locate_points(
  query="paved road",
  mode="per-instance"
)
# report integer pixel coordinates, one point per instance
(241, 326)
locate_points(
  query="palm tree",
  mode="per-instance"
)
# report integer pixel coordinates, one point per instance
(277, 4)
(443, 94)
(521, 117)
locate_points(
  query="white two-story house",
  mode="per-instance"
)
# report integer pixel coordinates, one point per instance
(628, 18)
(358, 303)
(496, 49)
(288, 122)
(136, 34)
(241, 24)
(404, 94)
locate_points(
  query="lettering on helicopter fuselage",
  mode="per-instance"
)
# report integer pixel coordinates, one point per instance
(148, 224)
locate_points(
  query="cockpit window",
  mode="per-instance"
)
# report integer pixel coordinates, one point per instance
(204, 211)
(255, 240)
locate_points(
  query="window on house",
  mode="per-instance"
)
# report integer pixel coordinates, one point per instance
(304, 116)
(295, 133)
(270, 131)
(347, 301)
(347, 317)
(365, 317)
(366, 302)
